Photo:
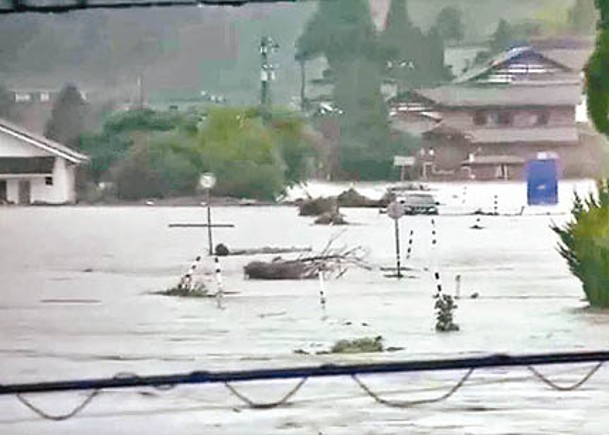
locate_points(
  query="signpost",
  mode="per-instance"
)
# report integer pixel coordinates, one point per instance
(207, 182)
(395, 211)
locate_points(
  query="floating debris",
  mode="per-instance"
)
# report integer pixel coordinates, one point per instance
(332, 261)
(352, 198)
(359, 345)
(196, 291)
(222, 250)
(317, 206)
(331, 218)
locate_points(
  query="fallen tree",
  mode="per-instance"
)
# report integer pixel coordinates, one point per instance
(333, 261)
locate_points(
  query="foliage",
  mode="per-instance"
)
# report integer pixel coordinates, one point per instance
(343, 32)
(583, 17)
(359, 345)
(449, 24)
(412, 57)
(112, 144)
(503, 38)
(585, 244)
(445, 307)
(239, 149)
(104, 149)
(68, 115)
(155, 170)
(317, 206)
(295, 148)
(597, 76)
(8, 108)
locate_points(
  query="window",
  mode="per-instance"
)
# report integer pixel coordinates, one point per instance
(503, 118)
(48, 181)
(542, 118)
(480, 117)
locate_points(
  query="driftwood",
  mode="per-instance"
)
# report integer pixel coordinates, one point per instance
(222, 250)
(332, 261)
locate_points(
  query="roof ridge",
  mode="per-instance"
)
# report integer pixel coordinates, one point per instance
(56, 147)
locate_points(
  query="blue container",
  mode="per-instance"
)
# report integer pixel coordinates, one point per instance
(542, 182)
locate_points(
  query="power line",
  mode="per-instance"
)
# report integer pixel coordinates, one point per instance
(326, 370)
(354, 370)
(21, 6)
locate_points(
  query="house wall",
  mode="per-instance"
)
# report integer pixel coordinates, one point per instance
(463, 119)
(61, 192)
(573, 160)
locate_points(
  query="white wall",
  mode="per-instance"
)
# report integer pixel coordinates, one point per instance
(62, 191)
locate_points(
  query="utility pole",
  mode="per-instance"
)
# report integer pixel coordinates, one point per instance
(303, 81)
(267, 73)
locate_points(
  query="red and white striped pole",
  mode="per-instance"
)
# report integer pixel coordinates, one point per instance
(186, 280)
(220, 285)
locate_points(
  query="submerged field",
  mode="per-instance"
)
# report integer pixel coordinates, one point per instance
(76, 302)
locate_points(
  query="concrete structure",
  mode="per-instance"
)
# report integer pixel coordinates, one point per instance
(34, 169)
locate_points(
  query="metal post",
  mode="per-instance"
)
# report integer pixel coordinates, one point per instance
(209, 231)
(397, 249)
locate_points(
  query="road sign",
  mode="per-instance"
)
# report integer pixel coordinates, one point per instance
(395, 210)
(207, 180)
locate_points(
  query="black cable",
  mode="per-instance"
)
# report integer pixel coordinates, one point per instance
(22, 6)
(409, 403)
(58, 417)
(268, 405)
(571, 387)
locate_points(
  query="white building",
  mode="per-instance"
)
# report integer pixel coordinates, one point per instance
(34, 169)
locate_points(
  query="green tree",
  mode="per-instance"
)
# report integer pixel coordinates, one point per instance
(294, 146)
(154, 170)
(597, 75)
(343, 32)
(239, 149)
(8, 108)
(503, 38)
(67, 121)
(412, 58)
(449, 24)
(583, 17)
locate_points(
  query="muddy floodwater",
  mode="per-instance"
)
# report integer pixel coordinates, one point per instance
(76, 302)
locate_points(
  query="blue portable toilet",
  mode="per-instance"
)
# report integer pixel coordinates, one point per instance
(542, 182)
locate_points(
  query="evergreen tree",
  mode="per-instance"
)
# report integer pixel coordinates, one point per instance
(401, 44)
(412, 58)
(449, 24)
(342, 31)
(68, 115)
(8, 109)
(503, 38)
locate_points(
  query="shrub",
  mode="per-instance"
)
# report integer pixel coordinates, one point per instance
(585, 244)
(154, 171)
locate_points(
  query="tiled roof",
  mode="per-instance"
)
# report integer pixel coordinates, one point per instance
(516, 95)
(574, 59)
(42, 142)
(563, 62)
